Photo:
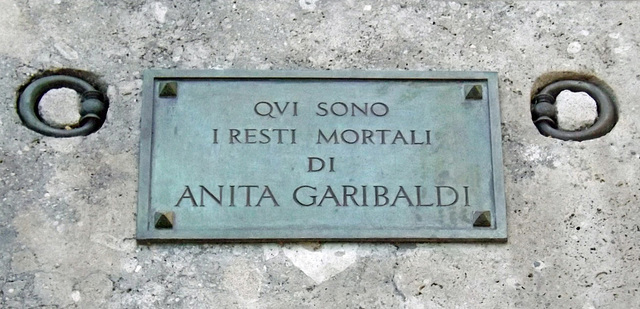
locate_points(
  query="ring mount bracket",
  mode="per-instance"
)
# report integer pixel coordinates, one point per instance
(93, 106)
(544, 111)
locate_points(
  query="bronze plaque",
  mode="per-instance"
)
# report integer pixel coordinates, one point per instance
(269, 155)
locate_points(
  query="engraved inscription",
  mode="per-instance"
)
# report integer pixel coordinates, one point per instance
(328, 195)
(344, 195)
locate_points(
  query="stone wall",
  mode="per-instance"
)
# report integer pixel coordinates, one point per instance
(68, 206)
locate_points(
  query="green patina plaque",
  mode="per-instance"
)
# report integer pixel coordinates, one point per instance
(274, 155)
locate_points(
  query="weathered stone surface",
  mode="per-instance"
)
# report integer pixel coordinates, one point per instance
(67, 216)
(576, 110)
(60, 107)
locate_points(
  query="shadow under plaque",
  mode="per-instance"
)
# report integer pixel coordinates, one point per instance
(320, 155)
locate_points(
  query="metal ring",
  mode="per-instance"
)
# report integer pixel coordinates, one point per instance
(543, 114)
(93, 108)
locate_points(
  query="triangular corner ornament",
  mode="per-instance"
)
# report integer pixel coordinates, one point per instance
(168, 89)
(164, 220)
(473, 92)
(482, 219)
